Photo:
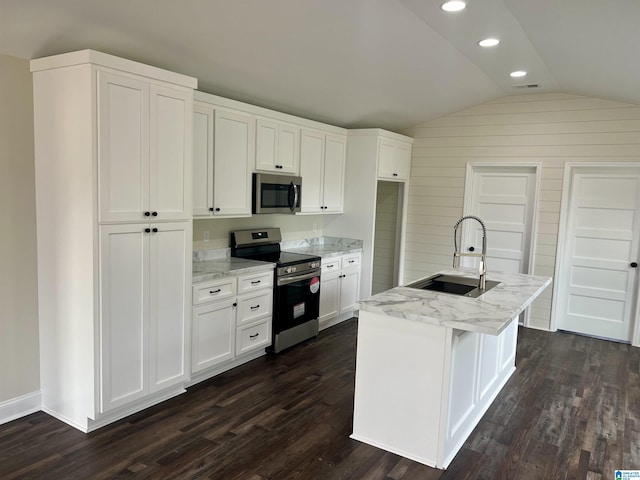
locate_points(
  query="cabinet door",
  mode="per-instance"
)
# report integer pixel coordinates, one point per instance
(394, 159)
(266, 145)
(171, 145)
(462, 393)
(329, 295)
(124, 322)
(288, 149)
(349, 287)
(123, 148)
(311, 170)
(213, 334)
(202, 159)
(333, 175)
(169, 303)
(234, 150)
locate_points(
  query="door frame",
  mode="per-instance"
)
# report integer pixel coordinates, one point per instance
(472, 167)
(569, 169)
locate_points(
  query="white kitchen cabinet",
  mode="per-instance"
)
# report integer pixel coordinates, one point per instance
(322, 166)
(143, 308)
(113, 141)
(277, 147)
(231, 322)
(144, 133)
(394, 159)
(223, 149)
(339, 289)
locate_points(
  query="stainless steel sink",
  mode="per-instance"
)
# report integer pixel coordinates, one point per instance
(462, 286)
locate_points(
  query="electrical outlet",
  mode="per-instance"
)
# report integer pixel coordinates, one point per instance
(205, 236)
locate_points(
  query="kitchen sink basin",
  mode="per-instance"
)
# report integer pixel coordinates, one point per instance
(452, 284)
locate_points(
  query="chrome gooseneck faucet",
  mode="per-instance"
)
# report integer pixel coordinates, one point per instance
(482, 268)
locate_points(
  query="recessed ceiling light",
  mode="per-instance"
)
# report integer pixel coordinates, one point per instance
(453, 6)
(489, 42)
(518, 73)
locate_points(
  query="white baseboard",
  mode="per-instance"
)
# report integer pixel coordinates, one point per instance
(15, 408)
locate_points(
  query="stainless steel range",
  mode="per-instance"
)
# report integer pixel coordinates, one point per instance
(296, 295)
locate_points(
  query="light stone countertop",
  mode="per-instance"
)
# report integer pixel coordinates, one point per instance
(325, 247)
(489, 313)
(206, 270)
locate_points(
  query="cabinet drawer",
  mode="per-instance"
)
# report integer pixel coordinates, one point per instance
(351, 261)
(331, 265)
(251, 337)
(248, 283)
(251, 307)
(212, 291)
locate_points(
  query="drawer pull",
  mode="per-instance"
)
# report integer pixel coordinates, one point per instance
(352, 261)
(254, 336)
(213, 292)
(255, 282)
(255, 308)
(330, 266)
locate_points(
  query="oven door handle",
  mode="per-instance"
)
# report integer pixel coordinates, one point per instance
(297, 278)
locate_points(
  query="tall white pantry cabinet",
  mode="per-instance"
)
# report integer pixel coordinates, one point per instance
(113, 148)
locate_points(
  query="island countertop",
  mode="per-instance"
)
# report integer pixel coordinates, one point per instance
(489, 313)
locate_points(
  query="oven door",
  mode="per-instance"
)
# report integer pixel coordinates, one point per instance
(297, 300)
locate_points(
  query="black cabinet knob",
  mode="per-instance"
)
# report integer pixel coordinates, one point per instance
(235, 304)
(633, 264)
(472, 249)
(211, 209)
(147, 230)
(217, 209)
(395, 174)
(154, 230)
(147, 214)
(155, 214)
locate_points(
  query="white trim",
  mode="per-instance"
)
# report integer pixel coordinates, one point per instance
(21, 406)
(569, 169)
(468, 188)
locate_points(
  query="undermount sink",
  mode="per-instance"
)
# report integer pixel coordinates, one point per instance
(462, 286)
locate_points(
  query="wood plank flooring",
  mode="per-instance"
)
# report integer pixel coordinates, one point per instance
(571, 411)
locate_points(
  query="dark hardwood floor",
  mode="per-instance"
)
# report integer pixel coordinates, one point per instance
(571, 411)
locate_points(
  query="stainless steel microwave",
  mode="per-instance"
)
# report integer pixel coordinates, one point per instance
(276, 193)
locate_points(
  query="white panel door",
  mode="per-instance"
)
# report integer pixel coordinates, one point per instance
(597, 290)
(169, 244)
(329, 295)
(289, 148)
(214, 334)
(311, 165)
(124, 322)
(234, 151)
(123, 148)
(349, 287)
(504, 198)
(202, 159)
(171, 114)
(266, 145)
(334, 158)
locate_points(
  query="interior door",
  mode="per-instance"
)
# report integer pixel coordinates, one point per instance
(597, 282)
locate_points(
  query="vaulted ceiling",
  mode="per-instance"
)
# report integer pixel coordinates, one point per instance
(353, 63)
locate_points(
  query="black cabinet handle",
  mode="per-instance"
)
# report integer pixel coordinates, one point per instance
(471, 249)
(217, 209)
(211, 209)
(279, 166)
(255, 307)
(633, 264)
(154, 230)
(395, 174)
(213, 292)
(255, 282)
(254, 336)
(147, 230)
(155, 214)
(235, 304)
(147, 214)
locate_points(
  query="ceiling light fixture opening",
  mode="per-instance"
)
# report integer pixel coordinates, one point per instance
(453, 6)
(489, 42)
(518, 74)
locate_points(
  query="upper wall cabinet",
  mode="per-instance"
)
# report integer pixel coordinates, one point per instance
(322, 163)
(144, 145)
(394, 159)
(277, 147)
(223, 152)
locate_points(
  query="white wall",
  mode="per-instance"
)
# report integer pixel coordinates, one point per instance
(547, 128)
(19, 370)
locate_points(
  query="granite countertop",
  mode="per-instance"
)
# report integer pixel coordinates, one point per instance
(489, 313)
(325, 251)
(206, 270)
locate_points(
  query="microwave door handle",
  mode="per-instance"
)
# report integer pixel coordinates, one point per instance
(294, 188)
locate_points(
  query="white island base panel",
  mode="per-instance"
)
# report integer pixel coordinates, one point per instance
(421, 389)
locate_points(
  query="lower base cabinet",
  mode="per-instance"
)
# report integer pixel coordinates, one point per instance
(231, 322)
(339, 287)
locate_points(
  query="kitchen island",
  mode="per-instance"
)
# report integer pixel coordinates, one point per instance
(429, 364)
